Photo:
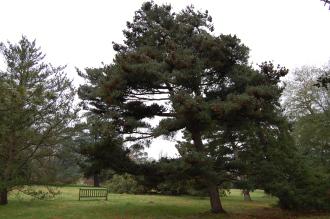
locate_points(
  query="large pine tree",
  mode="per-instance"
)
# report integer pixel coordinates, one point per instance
(173, 68)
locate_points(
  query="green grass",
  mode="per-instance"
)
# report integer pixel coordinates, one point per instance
(123, 206)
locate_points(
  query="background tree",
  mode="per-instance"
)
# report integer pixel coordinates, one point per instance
(301, 97)
(173, 68)
(36, 113)
(88, 140)
(64, 168)
(308, 107)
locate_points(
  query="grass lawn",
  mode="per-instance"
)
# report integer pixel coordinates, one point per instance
(123, 206)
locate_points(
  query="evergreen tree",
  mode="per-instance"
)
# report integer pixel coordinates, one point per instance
(36, 111)
(173, 68)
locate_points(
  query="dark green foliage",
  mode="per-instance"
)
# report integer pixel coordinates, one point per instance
(312, 137)
(101, 148)
(166, 176)
(301, 188)
(278, 168)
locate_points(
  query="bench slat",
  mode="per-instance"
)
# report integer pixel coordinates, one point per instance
(91, 193)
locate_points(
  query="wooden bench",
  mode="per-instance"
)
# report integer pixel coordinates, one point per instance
(93, 193)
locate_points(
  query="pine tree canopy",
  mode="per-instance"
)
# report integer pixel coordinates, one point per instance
(172, 66)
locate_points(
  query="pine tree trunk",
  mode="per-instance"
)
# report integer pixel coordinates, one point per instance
(3, 196)
(216, 206)
(246, 195)
(96, 180)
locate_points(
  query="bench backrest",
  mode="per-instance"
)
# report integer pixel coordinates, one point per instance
(88, 192)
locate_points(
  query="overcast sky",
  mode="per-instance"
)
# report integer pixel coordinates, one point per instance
(79, 33)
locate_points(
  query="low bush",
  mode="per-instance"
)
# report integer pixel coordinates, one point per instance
(125, 183)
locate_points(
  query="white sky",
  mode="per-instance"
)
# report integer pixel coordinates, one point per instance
(79, 33)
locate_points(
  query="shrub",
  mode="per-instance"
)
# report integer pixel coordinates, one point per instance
(125, 183)
(305, 189)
